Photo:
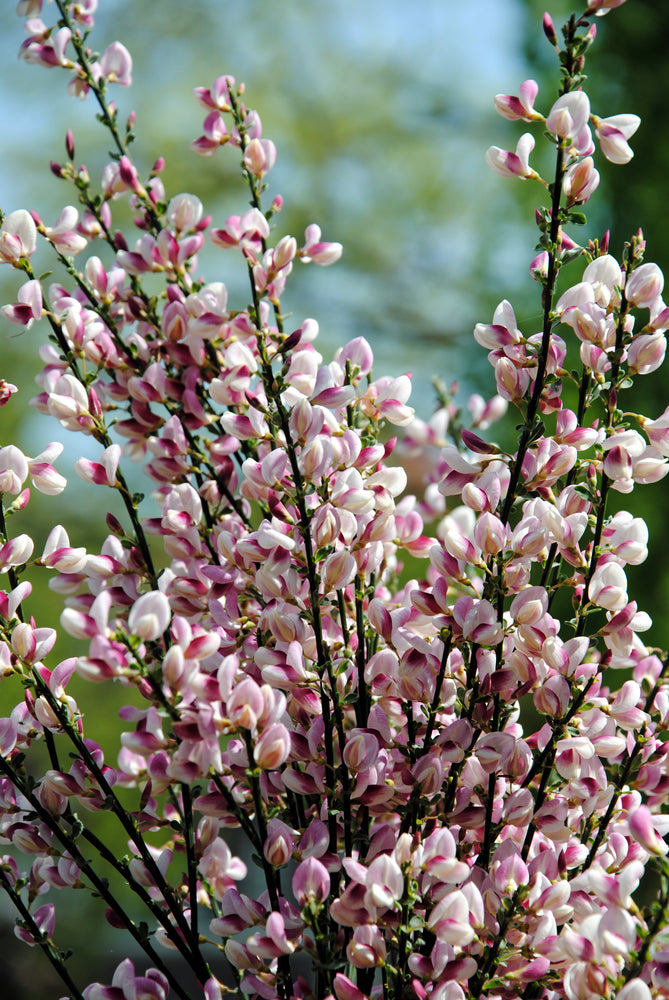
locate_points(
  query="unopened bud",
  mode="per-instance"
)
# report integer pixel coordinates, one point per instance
(69, 144)
(114, 525)
(94, 407)
(549, 29)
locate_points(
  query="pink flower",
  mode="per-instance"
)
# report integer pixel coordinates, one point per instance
(7, 389)
(45, 919)
(246, 704)
(580, 180)
(367, 947)
(63, 236)
(42, 473)
(658, 432)
(317, 251)
(15, 552)
(646, 353)
(644, 285)
(613, 134)
(516, 164)
(599, 8)
(272, 747)
(59, 555)
(449, 919)
(68, 402)
(521, 107)
(634, 989)
(247, 230)
(345, 989)
(218, 97)
(259, 157)
(116, 64)
(569, 115)
(643, 830)
(149, 616)
(184, 212)
(608, 586)
(18, 236)
(311, 882)
(127, 986)
(103, 473)
(13, 469)
(478, 620)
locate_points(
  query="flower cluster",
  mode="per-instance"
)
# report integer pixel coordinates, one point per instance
(446, 788)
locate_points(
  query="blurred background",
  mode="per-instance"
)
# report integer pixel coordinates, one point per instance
(381, 112)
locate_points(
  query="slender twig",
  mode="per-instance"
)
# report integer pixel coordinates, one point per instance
(49, 949)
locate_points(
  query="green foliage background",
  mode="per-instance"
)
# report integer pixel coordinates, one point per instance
(381, 113)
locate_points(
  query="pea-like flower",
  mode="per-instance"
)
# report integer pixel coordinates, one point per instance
(18, 236)
(613, 133)
(517, 164)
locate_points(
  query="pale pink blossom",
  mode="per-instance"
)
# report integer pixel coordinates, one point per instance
(569, 115)
(58, 553)
(516, 164)
(13, 469)
(15, 552)
(522, 106)
(63, 236)
(644, 285)
(658, 432)
(18, 236)
(599, 8)
(646, 353)
(367, 947)
(642, 828)
(149, 616)
(184, 212)
(126, 985)
(311, 881)
(259, 157)
(613, 133)
(116, 64)
(608, 586)
(45, 919)
(272, 747)
(316, 250)
(103, 472)
(580, 181)
(43, 475)
(634, 989)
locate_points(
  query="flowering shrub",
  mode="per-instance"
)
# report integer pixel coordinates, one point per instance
(446, 789)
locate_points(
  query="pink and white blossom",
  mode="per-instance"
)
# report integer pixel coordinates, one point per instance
(516, 164)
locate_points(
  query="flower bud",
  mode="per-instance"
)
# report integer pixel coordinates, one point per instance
(549, 29)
